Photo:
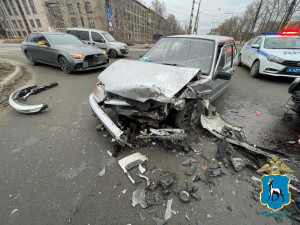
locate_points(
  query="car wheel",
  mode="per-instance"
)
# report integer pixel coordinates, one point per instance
(190, 115)
(254, 71)
(64, 64)
(113, 54)
(240, 60)
(30, 58)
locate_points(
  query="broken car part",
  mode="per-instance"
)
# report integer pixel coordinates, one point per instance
(238, 164)
(167, 181)
(214, 172)
(138, 197)
(189, 162)
(234, 135)
(169, 211)
(184, 196)
(159, 221)
(25, 92)
(153, 198)
(190, 170)
(146, 178)
(131, 161)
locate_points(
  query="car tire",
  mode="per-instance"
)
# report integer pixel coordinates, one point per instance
(240, 60)
(64, 65)
(30, 58)
(254, 70)
(113, 53)
(189, 117)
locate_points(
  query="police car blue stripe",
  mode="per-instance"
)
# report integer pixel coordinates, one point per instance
(257, 50)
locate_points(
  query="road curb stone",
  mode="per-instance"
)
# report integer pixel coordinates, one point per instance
(11, 77)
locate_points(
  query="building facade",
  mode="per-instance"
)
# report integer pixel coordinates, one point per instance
(127, 20)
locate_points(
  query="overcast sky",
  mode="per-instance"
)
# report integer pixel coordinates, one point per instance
(212, 12)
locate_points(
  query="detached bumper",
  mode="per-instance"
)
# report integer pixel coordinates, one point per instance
(107, 122)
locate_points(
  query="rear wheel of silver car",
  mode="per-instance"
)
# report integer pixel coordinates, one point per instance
(30, 58)
(254, 71)
(64, 64)
(190, 115)
(113, 53)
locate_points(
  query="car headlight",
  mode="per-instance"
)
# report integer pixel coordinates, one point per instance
(273, 58)
(76, 55)
(104, 52)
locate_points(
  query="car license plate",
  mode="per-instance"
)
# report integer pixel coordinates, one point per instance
(293, 70)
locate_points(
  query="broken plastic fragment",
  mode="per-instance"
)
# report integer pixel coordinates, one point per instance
(14, 211)
(189, 162)
(138, 197)
(257, 113)
(159, 221)
(208, 216)
(169, 211)
(102, 172)
(142, 169)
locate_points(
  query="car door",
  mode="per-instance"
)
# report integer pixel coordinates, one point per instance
(84, 36)
(224, 64)
(32, 44)
(47, 53)
(98, 40)
(254, 51)
(247, 51)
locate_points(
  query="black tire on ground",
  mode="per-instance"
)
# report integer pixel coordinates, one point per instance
(190, 115)
(30, 58)
(240, 60)
(64, 65)
(113, 53)
(254, 70)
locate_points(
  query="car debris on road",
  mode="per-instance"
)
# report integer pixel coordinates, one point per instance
(23, 93)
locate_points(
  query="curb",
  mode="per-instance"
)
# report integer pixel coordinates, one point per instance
(11, 77)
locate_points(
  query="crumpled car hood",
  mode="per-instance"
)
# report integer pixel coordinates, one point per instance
(142, 81)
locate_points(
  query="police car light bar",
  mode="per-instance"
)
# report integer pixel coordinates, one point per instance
(269, 33)
(289, 32)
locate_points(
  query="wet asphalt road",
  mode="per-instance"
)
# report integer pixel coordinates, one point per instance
(49, 162)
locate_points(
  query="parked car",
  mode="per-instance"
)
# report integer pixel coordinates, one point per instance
(170, 81)
(294, 91)
(100, 39)
(272, 55)
(64, 51)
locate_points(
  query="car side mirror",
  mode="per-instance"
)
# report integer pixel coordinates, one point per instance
(103, 41)
(223, 75)
(43, 43)
(255, 46)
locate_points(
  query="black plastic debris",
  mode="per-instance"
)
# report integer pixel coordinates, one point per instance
(159, 221)
(214, 172)
(190, 170)
(190, 187)
(189, 162)
(196, 196)
(166, 181)
(229, 208)
(153, 198)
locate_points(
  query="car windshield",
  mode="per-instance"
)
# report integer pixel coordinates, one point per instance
(184, 52)
(108, 37)
(63, 39)
(282, 42)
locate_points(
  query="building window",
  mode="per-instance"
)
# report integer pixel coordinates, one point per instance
(32, 6)
(73, 22)
(88, 7)
(91, 22)
(38, 22)
(19, 33)
(26, 7)
(14, 7)
(24, 33)
(7, 7)
(70, 8)
(15, 23)
(78, 7)
(82, 21)
(56, 15)
(20, 24)
(32, 23)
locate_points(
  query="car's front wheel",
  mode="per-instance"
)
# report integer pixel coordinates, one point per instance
(64, 64)
(190, 115)
(30, 58)
(254, 71)
(113, 54)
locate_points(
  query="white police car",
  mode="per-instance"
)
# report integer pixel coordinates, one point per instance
(274, 55)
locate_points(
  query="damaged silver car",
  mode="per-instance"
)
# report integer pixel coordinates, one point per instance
(172, 83)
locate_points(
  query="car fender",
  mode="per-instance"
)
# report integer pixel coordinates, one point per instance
(114, 48)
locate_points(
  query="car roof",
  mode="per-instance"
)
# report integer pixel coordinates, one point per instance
(85, 29)
(47, 32)
(216, 38)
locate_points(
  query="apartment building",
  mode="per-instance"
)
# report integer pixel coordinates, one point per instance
(128, 20)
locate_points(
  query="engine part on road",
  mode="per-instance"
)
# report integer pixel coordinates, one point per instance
(131, 161)
(184, 196)
(24, 93)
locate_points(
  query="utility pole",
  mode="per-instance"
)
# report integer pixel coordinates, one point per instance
(191, 18)
(255, 19)
(288, 16)
(197, 19)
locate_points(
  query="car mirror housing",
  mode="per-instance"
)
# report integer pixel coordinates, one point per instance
(223, 75)
(255, 46)
(43, 43)
(103, 41)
